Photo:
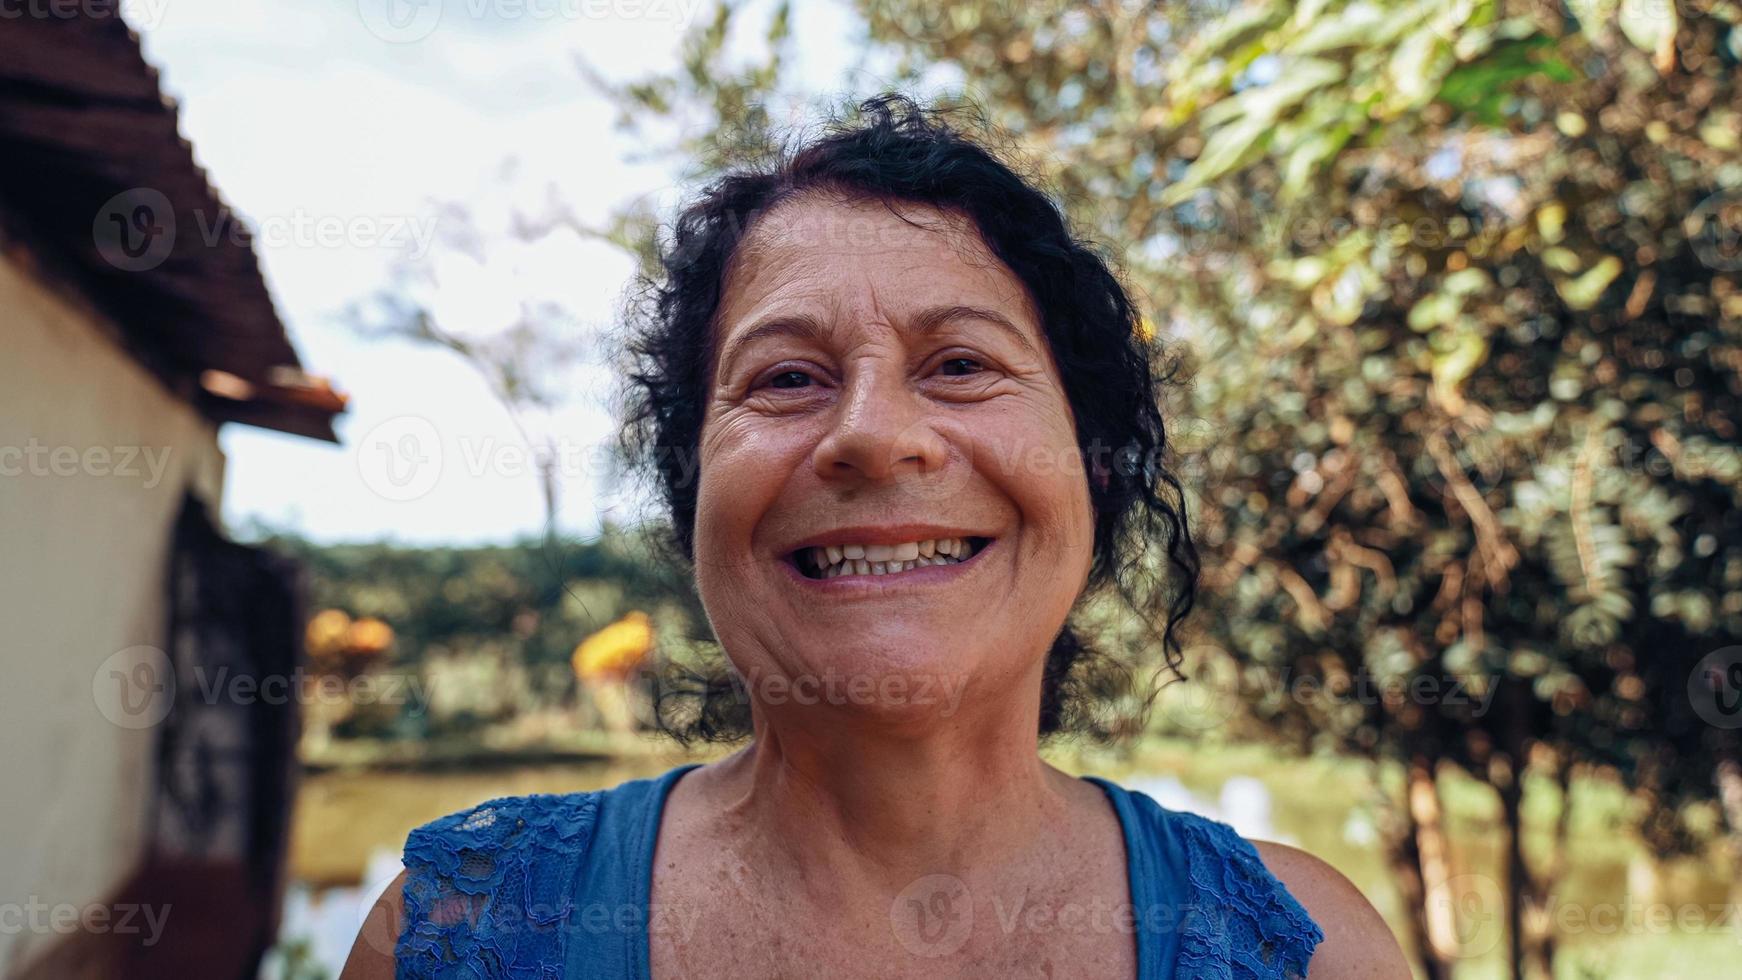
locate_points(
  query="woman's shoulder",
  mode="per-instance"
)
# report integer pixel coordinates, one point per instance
(547, 821)
(1356, 942)
(459, 897)
(556, 825)
(1271, 908)
(494, 881)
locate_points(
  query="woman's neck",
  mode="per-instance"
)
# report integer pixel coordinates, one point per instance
(853, 812)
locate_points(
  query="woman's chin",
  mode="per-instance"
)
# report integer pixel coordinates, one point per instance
(913, 681)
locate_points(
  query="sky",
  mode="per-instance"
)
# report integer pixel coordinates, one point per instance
(337, 129)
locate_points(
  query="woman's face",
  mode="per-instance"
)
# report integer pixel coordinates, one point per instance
(884, 401)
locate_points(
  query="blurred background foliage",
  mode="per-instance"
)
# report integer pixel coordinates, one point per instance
(1456, 282)
(1456, 291)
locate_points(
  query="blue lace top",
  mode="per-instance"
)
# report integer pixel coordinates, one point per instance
(548, 887)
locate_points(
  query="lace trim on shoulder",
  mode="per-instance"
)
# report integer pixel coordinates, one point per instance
(1243, 923)
(488, 891)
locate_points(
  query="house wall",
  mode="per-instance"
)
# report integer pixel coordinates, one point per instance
(84, 542)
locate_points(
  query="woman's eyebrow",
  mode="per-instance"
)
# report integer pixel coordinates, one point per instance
(933, 317)
(807, 327)
(801, 325)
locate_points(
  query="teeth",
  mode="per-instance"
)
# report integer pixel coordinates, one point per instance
(833, 561)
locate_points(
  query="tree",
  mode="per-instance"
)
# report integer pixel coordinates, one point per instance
(1460, 282)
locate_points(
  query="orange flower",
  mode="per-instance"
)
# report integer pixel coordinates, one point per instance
(616, 651)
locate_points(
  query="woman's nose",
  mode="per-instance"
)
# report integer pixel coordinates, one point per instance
(881, 430)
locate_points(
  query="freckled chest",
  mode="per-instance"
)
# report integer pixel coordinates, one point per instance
(1059, 917)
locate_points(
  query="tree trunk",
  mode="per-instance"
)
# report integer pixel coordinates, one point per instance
(1542, 891)
(1436, 868)
(1406, 872)
(1517, 874)
(1529, 917)
(1418, 861)
(1528, 914)
(1729, 780)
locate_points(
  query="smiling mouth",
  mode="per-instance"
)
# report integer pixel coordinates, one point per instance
(836, 561)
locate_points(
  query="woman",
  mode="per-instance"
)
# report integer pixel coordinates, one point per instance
(904, 423)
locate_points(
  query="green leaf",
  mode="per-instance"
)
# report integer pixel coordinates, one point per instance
(1481, 87)
(1227, 149)
(1433, 310)
(1308, 156)
(1418, 67)
(1582, 293)
(1451, 367)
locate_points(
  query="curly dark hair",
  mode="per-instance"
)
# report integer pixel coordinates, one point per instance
(896, 152)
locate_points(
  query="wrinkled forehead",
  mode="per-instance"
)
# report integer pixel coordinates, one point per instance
(832, 256)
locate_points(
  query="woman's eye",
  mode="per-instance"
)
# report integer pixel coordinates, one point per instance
(789, 379)
(958, 366)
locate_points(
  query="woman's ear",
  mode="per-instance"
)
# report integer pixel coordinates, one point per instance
(1099, 475)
